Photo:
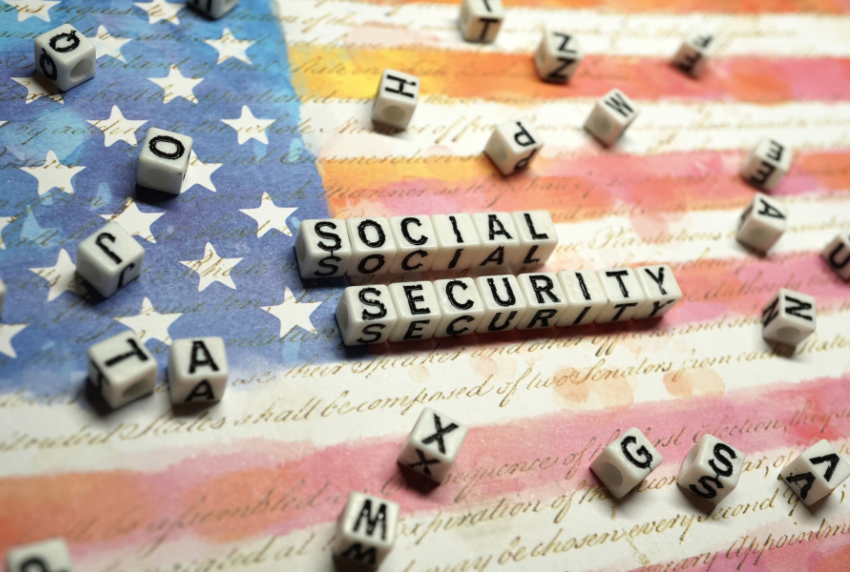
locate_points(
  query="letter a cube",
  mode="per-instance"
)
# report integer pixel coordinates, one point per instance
(816, 472)
(197, 370)
(367, 529)
(623, 464)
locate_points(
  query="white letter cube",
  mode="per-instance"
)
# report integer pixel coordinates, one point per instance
(109, 259)
(366, 315)
(694, 53)
(2, 295)
(163, 161)
(586, 298)
(122, 369)
(480, 20)
(625, 295)
(660, 288)
(816, 472)
(623, 464)
(837, 255)
(373, 248)
(416, 242)
(538, 238)
(545, 300)
(397, 97)
(558, 56)
(610, 117)
(762, 223)
(512, 146)
(767, 163)
(213, 8)
(499, 239)
(367, 529)
(65, 57)
(712, 469)
(418, 311)
(197, 370)
(323, 248)
(45, 556)
(433, 445)
(789, 318)
(504, 304)
(458, 244)
(461, 307)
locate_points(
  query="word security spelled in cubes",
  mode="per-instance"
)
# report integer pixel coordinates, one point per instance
(611, 116)
(398, 94)
(789, 318)
(712, 469)
(694, 53)
(367, 529)
(197, 370)
(65, 57)
(558, 56)
(480, 20)
(45, 556)
(433, 444)
(512, 146)
(767, 163)
(121, 369)
(213, 8)
(623, 464)
(163, 161)
(816, 472)
(2, 295)
(109, 259)
(763, 223)
(837, 254)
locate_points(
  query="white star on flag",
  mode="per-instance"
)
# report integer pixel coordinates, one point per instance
(212, 268)
(228, 46)
(7, 332)
(117, 128)
(61, 277)
(293, 313)
(161, 10)
(149, 324)
(53, 175)
(175, 84)
(108, 45)
(4, 222)
(29, 8)
(249, 127)
(269, 216)
(134, 221)
(38, 86)
(199, 173)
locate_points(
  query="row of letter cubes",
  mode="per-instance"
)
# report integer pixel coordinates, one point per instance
(454, 307)
(328, 248)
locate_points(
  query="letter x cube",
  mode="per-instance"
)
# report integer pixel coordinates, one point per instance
(433, 444)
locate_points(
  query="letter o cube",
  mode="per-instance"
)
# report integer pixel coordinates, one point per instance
(789, 318)
(122, 369)
(626, 462)
(367, 529)
(213, 8)
(366, 315)
(837, 254)
(712, 469)
(65, 57)
(164, 161)
(816, 472)
(109, 259)
(48, 555)
(197, 370)
(512, 146)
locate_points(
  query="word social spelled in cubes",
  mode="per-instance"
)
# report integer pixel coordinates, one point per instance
(789, 318)
(623, 464)
(121, 369)
(611, 116)
(197, 370)
(45, 556)
(712, 469)
(837, 254)
(367, 529)
(512, 146)
(816, 472)
(65, 57)
(164, 161)
(694, 53)
(767, 163)
(433, 444)
(558, 56)
(480, 20)
(213, 8)
(398, 94)
(763, 223)
(109, 259)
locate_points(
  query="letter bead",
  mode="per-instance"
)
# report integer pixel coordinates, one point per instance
(545, 299)
(837, 254)
(711, 470)
(46, 556)
(558, 56)
(695, 52)
(504, 304)
(461, 307)
(611, 116)
(398, 94)
(816, 472)
(480, 20)
(433, 445)
(213, 8)
(762, 223)
(537, 238)
(625, 295)
(367, 529)
(767, 163)
(660, 288)
(499, 239)
(418, 311)
(373, 248)
(163, 161)
(322, 248)
(623, 464)
(512, 146)
(457, 240)
(197, 370)
(366, 315)
(586, 298)
(65, 57)
(122, 369)
(789, 318)
(109, 259)
(416, 242)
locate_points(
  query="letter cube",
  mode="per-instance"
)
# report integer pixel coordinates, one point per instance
(504, 303)
(625, 295)
(789, 318)
(367, 529)
(512, 146)
(366, 315)
(586, 298)
(322, 248)
(433, 445)
(712, 469)
(373, 248)
(545, 299)
(611, 116)
(461, 307)
(65, 57)
(660, 288)
(418, 311)
(122, 369)
(558, 56)
(694, 53)
(2, 295)
(499, 239)
(45, 556)
(537, 238)
(213, 8)
(416, 242)
(398, 94)
(623, 464)
(163, 161)
(197, 370)
(109, 259)
(762, 223)
(837, 255)
(816, 472)
(458, 244)
(480, 20)
(767, 163)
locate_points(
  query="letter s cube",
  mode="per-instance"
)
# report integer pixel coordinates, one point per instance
(322, 248)
(366, 315)
(712, 469)
(109, 259)
(164, 161)
(626, 462)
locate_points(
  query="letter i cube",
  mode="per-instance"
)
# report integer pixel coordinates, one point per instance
(397, 97)
(767, 163)
(611, 116)
(197, 370)
(694, 53)
(433, 444)
(367, 529)
(512, 146)
(623, 464)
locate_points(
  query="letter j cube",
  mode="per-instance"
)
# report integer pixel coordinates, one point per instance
(109, 259)
(433, 444)
(623, 464)
(512, 146)
(164, 161)
(197, 370)
(367, 529)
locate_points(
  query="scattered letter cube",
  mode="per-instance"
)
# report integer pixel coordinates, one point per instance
(458, 244)
(545, 299)
(789, 318)
(512, 146)
(499, 239)
(416, 242)
(197, 370)
(45, 556)
(837, 254)
(504, 303)
(762, 223)
(586, 297)
(461, 307)
(610, 117)
(558, 56)
(323, 248)
(418, 311)
(373, 248)
(367, 529)
(692, 57)
(625, 295)
(537, 238)
(366, 315)
(816, 472)
(433, 444)
(397, 97)
(65, 57)
(480, 20)
(122, 369)
(163, 161)
(623, 464)
(109, 259)
(712, 469)
(767, 163)
(660, 288)
(213, 8)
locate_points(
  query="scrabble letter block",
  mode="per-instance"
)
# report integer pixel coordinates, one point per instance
(416, 242)
(585, 297)
(816, 472)
(625, 295)
(46, 556)
(418, 311)
(660, 288)
(213, 8)
(480, 20)
(762, 223)
(197, 370)
(712, 469)
(545, 298)
(767, 163)
(504, 303)
(837, 255)
(461, 307)
(122, 369)
(499, 239)
(694, 53)
(433, 444)
(373, 247)
(558, 56)
(163, 161)
(537, 238)
(396, 101)
(610, 117)
(789, 318)
(458, 244)
(323, 248)
(65, 57)
(109, 259)
(367, 529)
(623, 464)
(366, 315)
(512, 146)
